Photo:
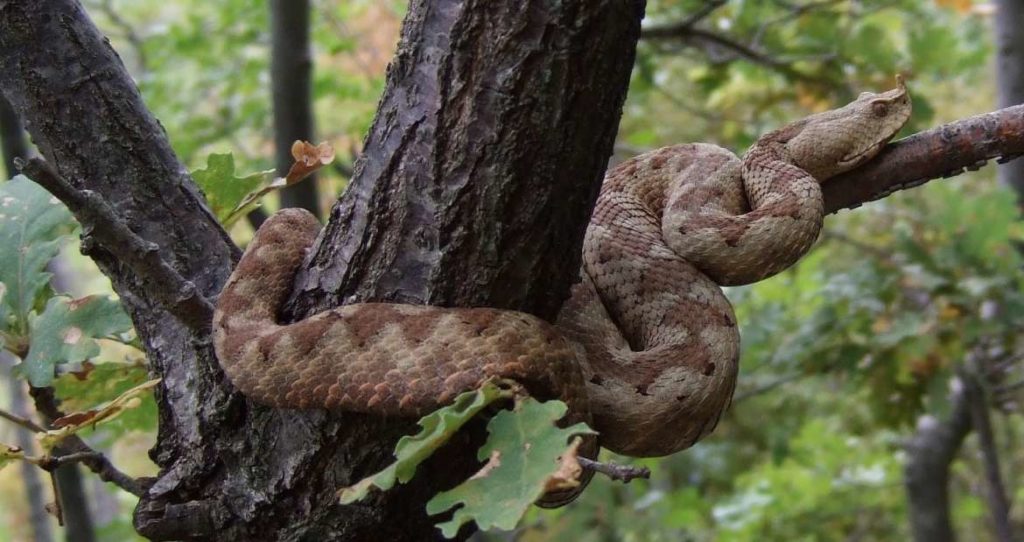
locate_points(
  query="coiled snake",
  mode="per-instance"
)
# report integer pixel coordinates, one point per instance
(647, 346)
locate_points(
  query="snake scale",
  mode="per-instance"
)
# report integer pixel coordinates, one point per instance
(646, 348)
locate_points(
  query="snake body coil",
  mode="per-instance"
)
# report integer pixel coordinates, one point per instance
(648, 344)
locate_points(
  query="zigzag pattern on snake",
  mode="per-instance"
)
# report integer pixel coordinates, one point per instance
(646, 348)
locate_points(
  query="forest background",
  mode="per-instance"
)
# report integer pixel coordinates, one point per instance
(883, 367)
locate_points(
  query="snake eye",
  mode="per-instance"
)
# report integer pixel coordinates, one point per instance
(880, 109)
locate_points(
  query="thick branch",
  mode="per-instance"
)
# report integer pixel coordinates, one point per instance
(941, 152)
(104, 228)
(74, 450)
(85, 115)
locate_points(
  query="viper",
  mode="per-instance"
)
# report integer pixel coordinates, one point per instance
(646, 349)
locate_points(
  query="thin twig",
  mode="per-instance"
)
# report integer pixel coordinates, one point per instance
(99, 464)
(794, 11)
(74, 449)
(999, 505)
(55, 462)
(698, 36)
(765, 388)
(622, 473)
(178, 295)
(702, 12)
(24, 422)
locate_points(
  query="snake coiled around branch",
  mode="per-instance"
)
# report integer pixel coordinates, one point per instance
(647, 347)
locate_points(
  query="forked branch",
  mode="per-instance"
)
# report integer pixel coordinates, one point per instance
(102, 225)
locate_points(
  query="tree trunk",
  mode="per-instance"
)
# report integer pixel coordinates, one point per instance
(480, 170)
(74, 504)
(490, 142)
(1009, 41)
(291, 71)
(930, 454)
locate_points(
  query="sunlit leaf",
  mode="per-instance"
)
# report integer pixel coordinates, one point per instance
(226, 192)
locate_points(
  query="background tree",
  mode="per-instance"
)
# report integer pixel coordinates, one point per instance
(291, 76)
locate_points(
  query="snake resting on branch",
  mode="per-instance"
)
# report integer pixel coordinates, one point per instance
(647, 347)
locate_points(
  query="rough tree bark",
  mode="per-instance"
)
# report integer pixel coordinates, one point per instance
(291, 81)
(238, 471)
(475, 185)
(87, 119)
(484, 159)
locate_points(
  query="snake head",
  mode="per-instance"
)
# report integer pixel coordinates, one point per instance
(832, 142)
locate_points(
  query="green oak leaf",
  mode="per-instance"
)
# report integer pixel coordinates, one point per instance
(436, 428)
(66, 330)
(523, 449)
(33, 226)
(230, 197)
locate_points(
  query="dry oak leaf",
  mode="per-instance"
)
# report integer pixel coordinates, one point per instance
(308, 159)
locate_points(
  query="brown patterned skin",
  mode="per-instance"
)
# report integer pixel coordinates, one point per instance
(648, 344)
